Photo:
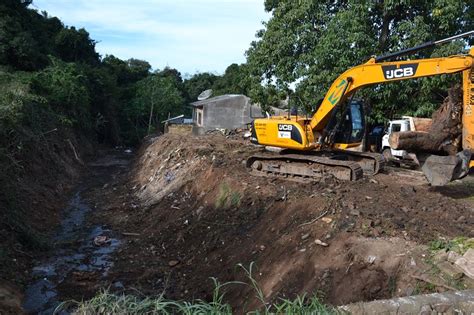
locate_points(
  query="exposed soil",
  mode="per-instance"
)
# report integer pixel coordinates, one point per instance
(35, 186)
(189, 210)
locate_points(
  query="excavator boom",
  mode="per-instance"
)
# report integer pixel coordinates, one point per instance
(317, 134)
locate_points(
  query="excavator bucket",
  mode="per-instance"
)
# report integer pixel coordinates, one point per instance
(440, 170)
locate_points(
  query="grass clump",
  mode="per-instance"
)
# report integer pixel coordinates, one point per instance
(227, 198)
(113, 304)
(108, 303)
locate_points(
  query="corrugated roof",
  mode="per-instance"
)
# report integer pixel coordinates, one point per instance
(171, 119)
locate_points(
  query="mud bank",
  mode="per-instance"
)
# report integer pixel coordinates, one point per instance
(191, 211)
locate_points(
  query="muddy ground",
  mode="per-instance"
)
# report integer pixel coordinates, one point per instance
(187, 209)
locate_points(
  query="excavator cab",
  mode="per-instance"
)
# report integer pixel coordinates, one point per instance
(351, 125)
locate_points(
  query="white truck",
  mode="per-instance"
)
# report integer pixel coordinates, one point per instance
(406, 123)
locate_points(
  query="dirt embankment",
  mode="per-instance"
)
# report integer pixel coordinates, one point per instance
(34, 182)
(189, 210)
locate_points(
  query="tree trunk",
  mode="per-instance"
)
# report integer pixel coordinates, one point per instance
(445, 133)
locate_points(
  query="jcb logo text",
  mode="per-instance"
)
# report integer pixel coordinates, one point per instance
(285, 127)
(394, 72)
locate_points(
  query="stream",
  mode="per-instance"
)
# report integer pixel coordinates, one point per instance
(79, 248)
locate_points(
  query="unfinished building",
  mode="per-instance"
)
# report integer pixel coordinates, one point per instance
(226, 112)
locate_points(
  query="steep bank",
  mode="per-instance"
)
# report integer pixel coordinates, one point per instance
(189, 210)
(36, 183)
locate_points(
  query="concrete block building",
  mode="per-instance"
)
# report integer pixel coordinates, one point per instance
(226, 112)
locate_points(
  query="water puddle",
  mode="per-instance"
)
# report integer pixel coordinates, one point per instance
(78, 250)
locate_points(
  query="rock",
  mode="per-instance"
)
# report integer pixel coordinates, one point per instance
(461, 219)
(426, 310)
(262, 247)
(101, 240)
(326, 220)
(453, 256)
(351, 206)
(321, 243)
(450, 270)
(199, 211)
(173, 263)
(305, 236)
(355, 212)
(442, 307)
(466, 263)
(440, 256)
(409, 291)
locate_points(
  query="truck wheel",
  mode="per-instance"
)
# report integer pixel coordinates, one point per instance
(387, 154)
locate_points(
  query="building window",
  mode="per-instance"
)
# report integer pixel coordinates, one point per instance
(199, 118)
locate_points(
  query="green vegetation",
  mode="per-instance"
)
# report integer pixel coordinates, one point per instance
(227, 198)
(108, 303)
(313, 42)
(422, 287)
(55, 88)
(459, 244)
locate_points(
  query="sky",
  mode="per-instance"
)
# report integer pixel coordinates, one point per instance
(189, 35)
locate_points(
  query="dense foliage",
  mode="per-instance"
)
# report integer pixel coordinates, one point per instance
(312, 42)
(52, 77)
(54, 71)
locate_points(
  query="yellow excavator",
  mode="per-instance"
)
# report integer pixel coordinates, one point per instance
(329, 142)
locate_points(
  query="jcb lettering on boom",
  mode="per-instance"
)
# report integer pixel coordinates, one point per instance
(404, 71)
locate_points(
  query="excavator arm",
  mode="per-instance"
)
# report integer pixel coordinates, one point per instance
(372, 73)
(296, 133)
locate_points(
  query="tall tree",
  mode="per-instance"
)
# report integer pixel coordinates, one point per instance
(235, 80)
(309, 43)
(155, 98)
(197, 84)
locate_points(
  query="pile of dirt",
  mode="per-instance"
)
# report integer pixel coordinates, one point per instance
(189, 210)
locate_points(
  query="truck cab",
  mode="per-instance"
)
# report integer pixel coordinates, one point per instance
(399, 125)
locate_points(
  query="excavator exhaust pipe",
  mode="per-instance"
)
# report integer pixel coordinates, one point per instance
(440, 170)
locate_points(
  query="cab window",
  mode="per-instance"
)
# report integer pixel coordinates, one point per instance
(396, 127)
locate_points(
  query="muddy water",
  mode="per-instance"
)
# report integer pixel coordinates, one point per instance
(78, 247)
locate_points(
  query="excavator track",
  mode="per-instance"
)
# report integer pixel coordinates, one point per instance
(303, 168)
(343, 165)
(371, 163)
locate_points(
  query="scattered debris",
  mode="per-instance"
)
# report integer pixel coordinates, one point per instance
(321, 243)
(314, 220)
(326, 220)
(173, 263)
(130, 234)
(371, 259)
(101, 240)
